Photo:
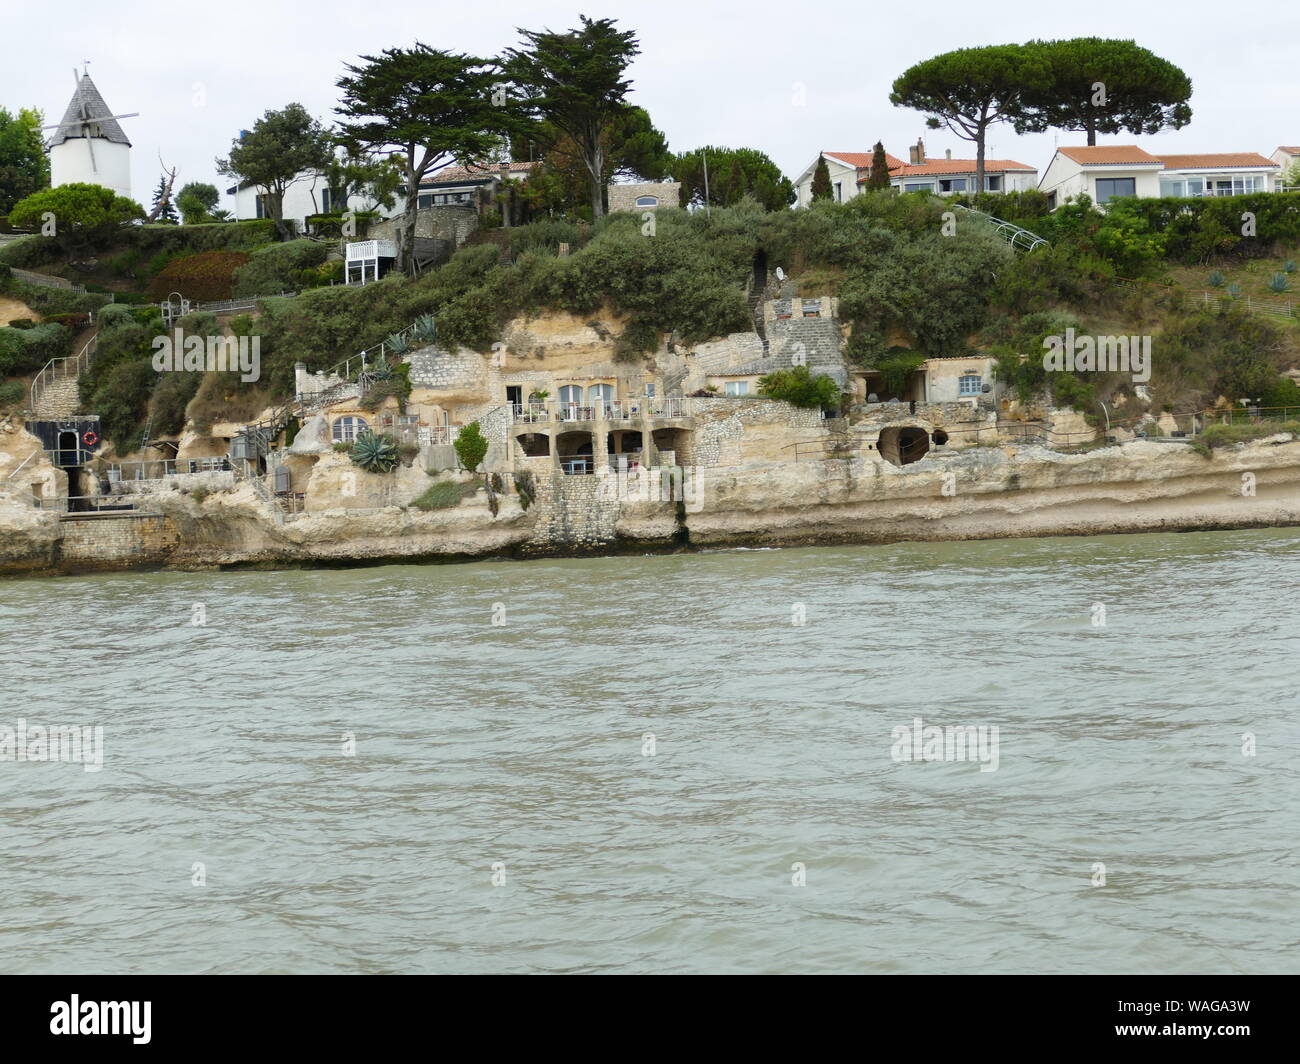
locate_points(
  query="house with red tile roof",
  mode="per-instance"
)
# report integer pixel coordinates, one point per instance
(949, 176)
(850, 172)
(1109, 171)
(1286, 158)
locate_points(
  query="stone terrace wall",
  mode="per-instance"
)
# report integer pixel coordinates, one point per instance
(573, 511)
(124, 542)
(722, 424)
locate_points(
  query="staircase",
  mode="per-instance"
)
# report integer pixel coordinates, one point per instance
(56, 390)
(1019, 238)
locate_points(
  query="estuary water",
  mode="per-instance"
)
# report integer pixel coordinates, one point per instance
(680, 763)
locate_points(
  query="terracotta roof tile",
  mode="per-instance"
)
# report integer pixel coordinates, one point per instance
(1110, 155)
(962, 166)
(1214, 162)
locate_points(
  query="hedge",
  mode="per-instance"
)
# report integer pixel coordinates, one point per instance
(27, 350)
(209, 275)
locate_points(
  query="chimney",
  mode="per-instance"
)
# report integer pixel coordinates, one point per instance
(911, 154)
(920, 151)
(947, 153)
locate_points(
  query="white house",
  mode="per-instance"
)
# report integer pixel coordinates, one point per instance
(309, 192)
(1285, 158)
(949, 176)
(88, 146)
(1105, 172)
(848, 171)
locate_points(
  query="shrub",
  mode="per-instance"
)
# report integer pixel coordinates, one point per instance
(471, 446)
(443, 494)
(209, 275)
(799, 387)
(375, 454)
(11, 393)
(280, 268)
(21, 323)
(27, 350)
(1216, 279)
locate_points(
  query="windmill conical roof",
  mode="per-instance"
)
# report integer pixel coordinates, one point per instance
(95, 108)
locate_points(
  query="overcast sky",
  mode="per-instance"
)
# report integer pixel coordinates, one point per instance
(788, 79)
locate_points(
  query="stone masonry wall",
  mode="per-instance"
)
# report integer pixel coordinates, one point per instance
(116, 542)
(573, 511)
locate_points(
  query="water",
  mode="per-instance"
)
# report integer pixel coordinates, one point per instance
(521, 745)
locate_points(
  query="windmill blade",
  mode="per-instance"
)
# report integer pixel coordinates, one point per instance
(90, 144)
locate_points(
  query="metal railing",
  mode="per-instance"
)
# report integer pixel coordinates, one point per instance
(62, 368)
(1018, 237)
(159, 468)
(601, 410)
(1282, 308)
(46, 281)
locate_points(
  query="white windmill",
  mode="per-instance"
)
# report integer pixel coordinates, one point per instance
(89, 146)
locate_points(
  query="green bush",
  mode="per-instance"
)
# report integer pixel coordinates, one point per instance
(209, 275)
(471, 446)
(27, 350)
(280, 268)
(799, 387)
(443, 494)
(11, 393)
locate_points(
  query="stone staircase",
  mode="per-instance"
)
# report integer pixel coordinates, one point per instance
(59, 399)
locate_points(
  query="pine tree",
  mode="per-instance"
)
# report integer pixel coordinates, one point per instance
(879, 169)
(162, 195)
(821, 182)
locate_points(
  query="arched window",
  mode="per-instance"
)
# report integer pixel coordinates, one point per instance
(597, 392)
(347, 429)
(647, 201)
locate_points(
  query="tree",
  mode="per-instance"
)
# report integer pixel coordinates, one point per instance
(84, 215)
(879, 177)
(355, 175)
(1096, 86)
(821, 182)
(163, 211)
(279, 148)
(970, 89)
(198, 202)
(633, 148)
(734, 173)
(430, 107)
(24, 167)
(471, 446)
(574, 82)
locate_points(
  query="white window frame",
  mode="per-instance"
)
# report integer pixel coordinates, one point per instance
(347, 428)
(735, 389)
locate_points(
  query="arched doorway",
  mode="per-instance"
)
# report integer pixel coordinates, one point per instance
(575, 452)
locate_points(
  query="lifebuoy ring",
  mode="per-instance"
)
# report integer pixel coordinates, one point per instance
(90, 438)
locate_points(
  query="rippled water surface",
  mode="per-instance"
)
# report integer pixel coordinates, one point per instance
(521, 745)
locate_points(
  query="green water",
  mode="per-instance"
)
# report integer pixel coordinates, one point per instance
(522, 744)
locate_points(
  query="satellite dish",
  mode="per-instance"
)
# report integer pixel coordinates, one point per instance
(780, 274)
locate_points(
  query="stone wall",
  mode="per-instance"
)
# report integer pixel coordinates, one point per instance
(454, 224)
(118, 542)
(735, 431)
(573, 511)
(624, 197)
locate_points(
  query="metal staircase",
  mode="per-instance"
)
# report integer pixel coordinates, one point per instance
(1019, 238)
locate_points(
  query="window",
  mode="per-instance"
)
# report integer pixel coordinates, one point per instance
(993, 184)
(1109, 188)
(1173, 188)
(650, 390)
(838, 197)
(325, 203)
(347, 429)
(647, 201)
(1051, 201)
(969, 384)
(597, 392)
(737, 388)
(952, 184)
(919, 186)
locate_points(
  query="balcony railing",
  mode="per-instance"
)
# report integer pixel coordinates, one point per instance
(629, 410)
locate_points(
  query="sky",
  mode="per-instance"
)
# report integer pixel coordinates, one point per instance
(790, 80)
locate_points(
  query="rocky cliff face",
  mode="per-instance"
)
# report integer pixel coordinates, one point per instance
(975, 493)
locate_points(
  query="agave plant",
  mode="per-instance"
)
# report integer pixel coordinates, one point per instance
(381, 371)
(1289, 266)
(1216, 279)
(1234, 290)
(425, 330)
(375, 454)
(1279, 283)
(397, 344)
